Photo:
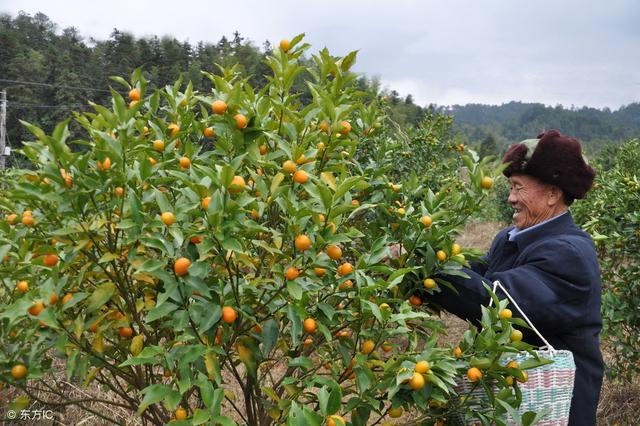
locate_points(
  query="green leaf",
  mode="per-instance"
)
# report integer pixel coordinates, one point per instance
(223, 421)
(160, 311)
(345, 186)
(100, 296)
(108, 257)
(162, 201)
(270, 334)
(231, 243)
(294, 289)
(156, 393)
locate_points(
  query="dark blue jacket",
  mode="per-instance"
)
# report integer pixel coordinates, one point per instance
(552, 273)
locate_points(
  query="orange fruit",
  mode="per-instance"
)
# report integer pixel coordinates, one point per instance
(28, 220)
(241, 121)
(292, 273)
(104, 165)
(205, 203)
(346, 285)
(158, 145)
(134, 95)
(309, 325)
(185, 162)
(429, 283)
(152, 160)
(93, 327)
(181, 267)
(196, 239)
(395, 412)
(255, 214)
(345, 269)
(457, 352)
(181, 414)
(345, 127)
(67, 298)
(486, 182)
(168, 218)
(474, 374)
(355, 203)
(319, 272)
(415, 300)
(335, 420)
(387, 347)
(320, 146)
(324, 126)
(455, 249)
(300, 177)
(53, 299)
(36, 308)
(302, 242)
(417, 381)
(509, 380)
(525, 377)
(12, 219)
(426, 220)
(308, 341)
(19, 371)
(125, 331)
(513, 364)
(441, 255)
(263, 149)
(506, 313)
(22, 286)
(422, 367)
(209, 132)
(219, 107)
(173, 129)
(237, 184)
(285, 45)
(50, 260)
(367, 347)
(229, 315)
(516, 336)
(289, 167)
(119, 192)
(334, 252)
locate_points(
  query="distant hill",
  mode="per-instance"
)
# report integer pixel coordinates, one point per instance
(515, 121)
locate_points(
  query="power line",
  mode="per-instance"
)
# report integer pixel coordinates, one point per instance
(35, 83)
(18, 105)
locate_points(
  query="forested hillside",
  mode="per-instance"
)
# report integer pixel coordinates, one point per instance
(48, 71)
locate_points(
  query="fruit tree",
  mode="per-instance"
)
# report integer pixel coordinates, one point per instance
(222, 258)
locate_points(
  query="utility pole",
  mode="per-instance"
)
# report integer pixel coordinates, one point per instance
(3, 130)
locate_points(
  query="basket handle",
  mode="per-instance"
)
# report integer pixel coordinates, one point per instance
(498, 284)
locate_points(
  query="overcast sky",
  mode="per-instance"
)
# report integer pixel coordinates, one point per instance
(569, 52)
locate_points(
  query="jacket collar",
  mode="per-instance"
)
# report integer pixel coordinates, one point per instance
(558, 225)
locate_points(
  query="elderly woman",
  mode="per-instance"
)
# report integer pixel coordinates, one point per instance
(547, 264)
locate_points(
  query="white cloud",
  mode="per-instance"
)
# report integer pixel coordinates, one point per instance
(457, 51)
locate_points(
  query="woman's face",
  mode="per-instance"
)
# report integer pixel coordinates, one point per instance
(531, 201)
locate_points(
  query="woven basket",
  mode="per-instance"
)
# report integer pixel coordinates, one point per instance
(549, 388)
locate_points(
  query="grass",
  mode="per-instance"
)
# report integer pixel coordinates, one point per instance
(619, 402)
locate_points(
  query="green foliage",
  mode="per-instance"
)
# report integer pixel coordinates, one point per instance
(296, 332)
(611, 213)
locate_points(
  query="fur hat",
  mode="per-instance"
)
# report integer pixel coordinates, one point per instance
(553, 158)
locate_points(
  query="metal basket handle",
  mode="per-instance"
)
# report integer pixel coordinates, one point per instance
(498, 284)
